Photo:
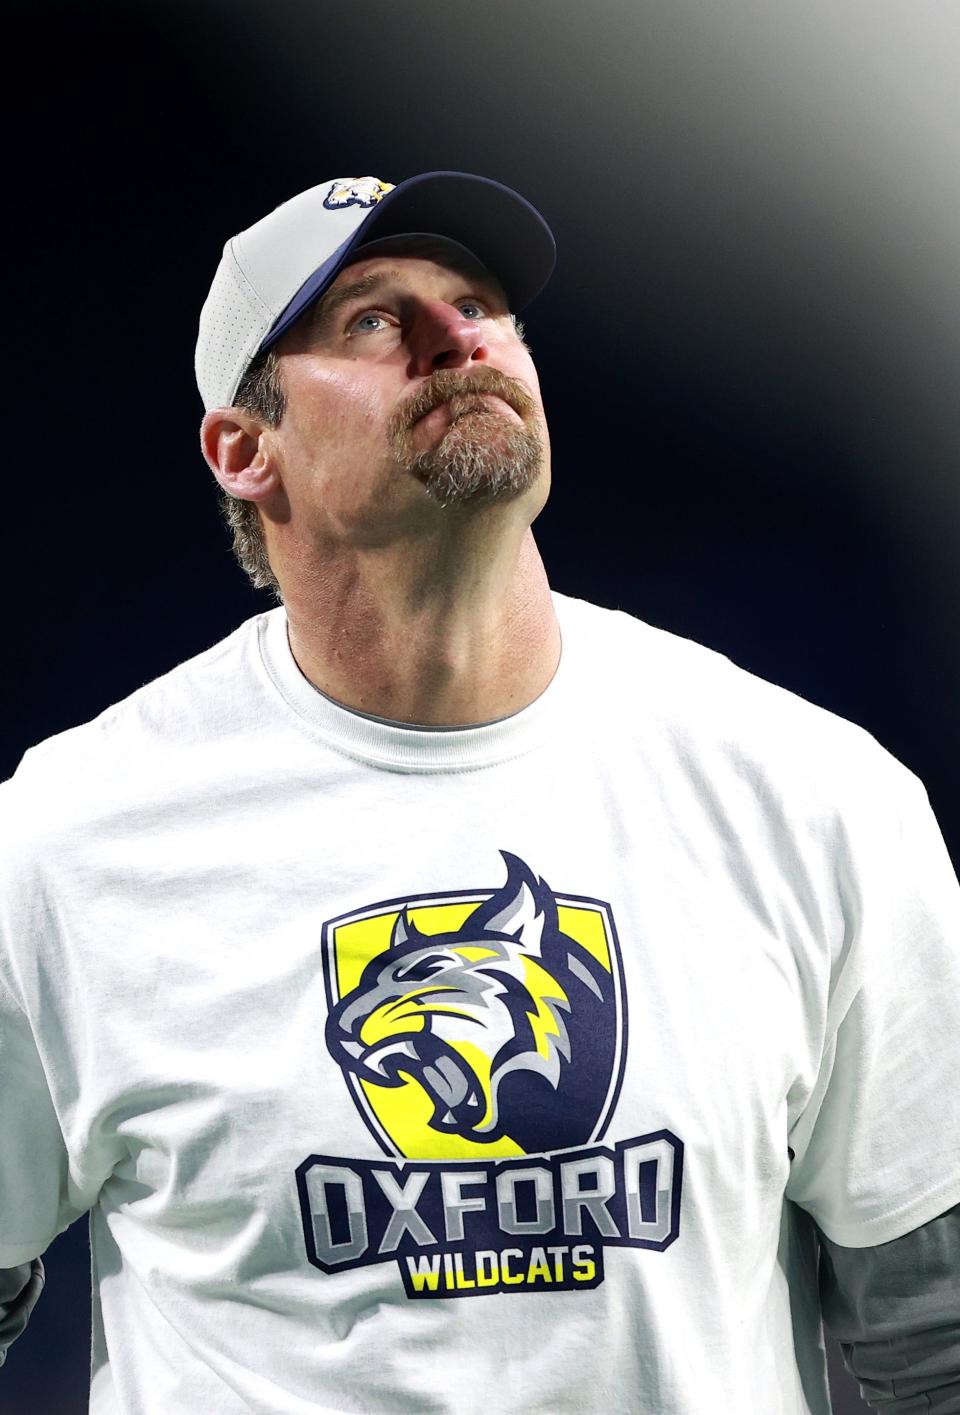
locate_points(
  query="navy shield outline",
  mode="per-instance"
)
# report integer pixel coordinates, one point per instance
(483, 1023)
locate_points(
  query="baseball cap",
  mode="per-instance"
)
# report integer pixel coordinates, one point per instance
(270, 273)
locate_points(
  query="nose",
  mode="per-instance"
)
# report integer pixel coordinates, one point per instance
(441, 337)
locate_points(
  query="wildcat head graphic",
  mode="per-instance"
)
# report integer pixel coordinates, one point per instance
(483, 1025)
(507, 1023)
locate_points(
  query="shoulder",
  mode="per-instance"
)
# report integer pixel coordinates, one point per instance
(697, 703)
(144, 737)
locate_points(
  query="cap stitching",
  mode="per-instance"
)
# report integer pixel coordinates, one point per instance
(246, 284)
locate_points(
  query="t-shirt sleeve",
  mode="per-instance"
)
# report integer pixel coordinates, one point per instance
(20, 1289)
(876, 1150)
(37, 1198)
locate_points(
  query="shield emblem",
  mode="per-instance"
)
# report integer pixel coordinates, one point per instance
(479, 1023)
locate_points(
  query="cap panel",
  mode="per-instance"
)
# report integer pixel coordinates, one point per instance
(280, 251)
(263, 267)
(233, 322)
(311, 289)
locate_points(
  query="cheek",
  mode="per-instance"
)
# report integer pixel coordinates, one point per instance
(518, 364)
(332, 411)
(337, 463)
(522, 367)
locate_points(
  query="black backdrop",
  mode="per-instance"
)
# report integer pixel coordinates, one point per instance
(749, 352)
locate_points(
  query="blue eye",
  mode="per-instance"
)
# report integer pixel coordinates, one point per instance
(368, 323)
(466, 306)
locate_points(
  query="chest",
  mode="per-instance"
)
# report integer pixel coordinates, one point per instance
(449, 970)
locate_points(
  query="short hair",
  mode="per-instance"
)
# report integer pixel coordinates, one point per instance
(260, 393)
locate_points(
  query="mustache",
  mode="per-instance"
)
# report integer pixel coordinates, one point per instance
(447, 384)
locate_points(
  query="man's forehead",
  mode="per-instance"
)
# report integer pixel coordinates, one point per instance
(380, 262)
(423, 246)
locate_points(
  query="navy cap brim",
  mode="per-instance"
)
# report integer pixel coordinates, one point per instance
(506, 233)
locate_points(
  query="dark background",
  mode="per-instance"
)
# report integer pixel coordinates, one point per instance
(749, 353)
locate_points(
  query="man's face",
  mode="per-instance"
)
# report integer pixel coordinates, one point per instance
(409, 392)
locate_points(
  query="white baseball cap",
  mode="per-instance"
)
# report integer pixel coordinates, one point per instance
(270, 273)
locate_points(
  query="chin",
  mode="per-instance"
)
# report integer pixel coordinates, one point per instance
(476, 468)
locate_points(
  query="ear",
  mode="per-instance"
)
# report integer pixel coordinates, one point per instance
(240, 451)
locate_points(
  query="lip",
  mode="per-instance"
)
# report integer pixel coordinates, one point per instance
(485, 398)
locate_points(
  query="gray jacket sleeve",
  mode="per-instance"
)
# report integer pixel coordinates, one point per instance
(894, 1309)
(20, 1287)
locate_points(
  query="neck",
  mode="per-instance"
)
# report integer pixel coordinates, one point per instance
(439, 635)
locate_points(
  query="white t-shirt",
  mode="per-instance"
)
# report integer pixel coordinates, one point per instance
(467, 1070)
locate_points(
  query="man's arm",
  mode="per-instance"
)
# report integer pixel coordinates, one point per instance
(895, 1311)
(20, 1287)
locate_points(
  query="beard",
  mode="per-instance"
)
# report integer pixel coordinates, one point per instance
(483, 455)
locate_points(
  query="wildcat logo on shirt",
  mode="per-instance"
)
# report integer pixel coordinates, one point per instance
(482, 1035)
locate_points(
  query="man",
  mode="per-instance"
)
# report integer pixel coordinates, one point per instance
(446, 995)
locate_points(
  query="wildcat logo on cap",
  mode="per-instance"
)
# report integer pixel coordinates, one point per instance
(356, 191)
(475, 1030)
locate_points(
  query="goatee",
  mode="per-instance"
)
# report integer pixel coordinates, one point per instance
(483, 455)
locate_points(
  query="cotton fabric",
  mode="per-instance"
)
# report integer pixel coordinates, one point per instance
(786, 920)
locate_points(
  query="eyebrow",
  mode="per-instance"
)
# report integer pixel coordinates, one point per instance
(327, 306)
(334, 300)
